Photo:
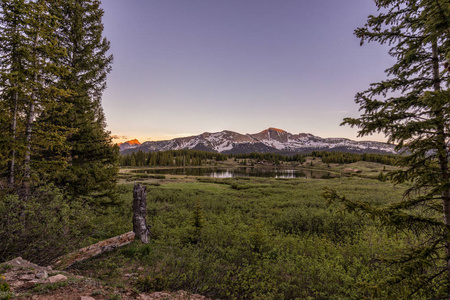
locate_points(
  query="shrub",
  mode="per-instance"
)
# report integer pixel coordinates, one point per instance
(44, 228)
(6, 295)
(4, 286)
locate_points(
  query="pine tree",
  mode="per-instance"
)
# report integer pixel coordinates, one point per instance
(412, 108)
(12, 77)
(93, 157)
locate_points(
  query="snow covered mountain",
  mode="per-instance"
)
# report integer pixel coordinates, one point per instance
(271, 140)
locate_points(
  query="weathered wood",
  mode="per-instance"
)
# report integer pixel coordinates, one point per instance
(140, 227)
(93, 250)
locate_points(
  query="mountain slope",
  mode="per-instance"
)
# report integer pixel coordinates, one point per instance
(271, 140)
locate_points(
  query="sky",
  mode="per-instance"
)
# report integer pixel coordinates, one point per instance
(184, 67)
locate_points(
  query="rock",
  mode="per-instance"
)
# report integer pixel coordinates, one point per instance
(57, 278)
(20, 262)
(41, 274)
(160, 295)
(10, 276)
(86, 298)
(49, 268)
(16, 284)
(27, 277)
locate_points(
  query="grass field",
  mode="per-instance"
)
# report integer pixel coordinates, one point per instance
(254, 238)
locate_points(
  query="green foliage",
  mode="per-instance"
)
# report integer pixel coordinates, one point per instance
(318, 222)
(30, 56)
(136, 251)
(172, 158)
(198, 222)
(115, 297)
(58, 163)
(48, 287)
(148, 283)
(4, 286)
(44, 228)
(381, 176)
(178, 158)
(273, 158)
(93, 158)
(411, 108)
(272, 240)
(346, 158)
(6, 295)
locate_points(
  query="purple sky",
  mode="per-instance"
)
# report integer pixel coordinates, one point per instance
(186, 67)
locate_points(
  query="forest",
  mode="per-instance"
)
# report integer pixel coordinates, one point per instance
(58, 165)
(180, 158)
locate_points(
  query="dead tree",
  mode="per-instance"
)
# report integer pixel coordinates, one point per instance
(110, 244)
(140, 227)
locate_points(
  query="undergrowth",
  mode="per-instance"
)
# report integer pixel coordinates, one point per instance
(257, 238)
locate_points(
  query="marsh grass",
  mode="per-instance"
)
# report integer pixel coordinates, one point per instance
(258, 238)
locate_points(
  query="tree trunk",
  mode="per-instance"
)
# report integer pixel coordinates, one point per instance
(140, 227)
(94, 250)
(30, 121)
(15, 62)
(442, 159)
(12, 163)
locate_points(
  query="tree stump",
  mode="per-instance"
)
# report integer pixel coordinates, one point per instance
(140, 227)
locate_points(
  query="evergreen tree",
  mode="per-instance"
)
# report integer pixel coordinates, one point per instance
(93, 157)
(12, 77)
(412, 108)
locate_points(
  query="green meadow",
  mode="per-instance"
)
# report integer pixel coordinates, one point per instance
(253, 238)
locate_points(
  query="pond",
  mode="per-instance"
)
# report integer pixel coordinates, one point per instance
(243, 172)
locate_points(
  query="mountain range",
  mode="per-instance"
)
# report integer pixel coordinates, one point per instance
(271, 140)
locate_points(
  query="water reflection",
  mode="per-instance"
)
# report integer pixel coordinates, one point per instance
(242, 172)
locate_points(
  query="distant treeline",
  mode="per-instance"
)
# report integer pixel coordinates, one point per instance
(274, 158)
(172, 158)
(347, 158)
(180, 158)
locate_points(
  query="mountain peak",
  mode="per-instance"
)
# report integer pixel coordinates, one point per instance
(133, 142)
(274, 137)
(276, 129)
(129, 144)
(272, 130)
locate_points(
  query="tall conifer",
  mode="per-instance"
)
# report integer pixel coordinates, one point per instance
(412, 108)
(93, 157)
(12, 78)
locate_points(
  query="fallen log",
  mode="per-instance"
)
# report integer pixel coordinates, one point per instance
(94, 250)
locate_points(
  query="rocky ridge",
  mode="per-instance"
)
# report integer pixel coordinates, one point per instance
(271, 140)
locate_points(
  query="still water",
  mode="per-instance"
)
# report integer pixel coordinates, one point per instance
(242, 172)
